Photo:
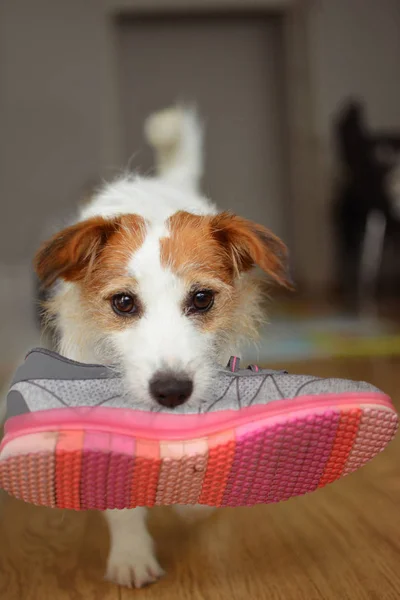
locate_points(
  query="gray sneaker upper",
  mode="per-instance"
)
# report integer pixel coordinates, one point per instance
(47, 380)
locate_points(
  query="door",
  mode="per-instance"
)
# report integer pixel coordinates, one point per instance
(230, 68)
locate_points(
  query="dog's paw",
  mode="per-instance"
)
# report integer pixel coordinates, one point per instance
(134, 568)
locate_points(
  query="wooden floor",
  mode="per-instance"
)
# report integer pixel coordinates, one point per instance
(342, 542)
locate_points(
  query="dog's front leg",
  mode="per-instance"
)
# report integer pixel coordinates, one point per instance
(132, 561)
(193, 513)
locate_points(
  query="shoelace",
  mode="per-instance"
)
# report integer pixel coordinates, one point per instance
(234, 366)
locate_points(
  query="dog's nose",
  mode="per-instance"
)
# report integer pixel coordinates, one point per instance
(170, 390)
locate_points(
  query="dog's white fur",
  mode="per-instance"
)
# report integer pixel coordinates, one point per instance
(147, 347)
(164, 337)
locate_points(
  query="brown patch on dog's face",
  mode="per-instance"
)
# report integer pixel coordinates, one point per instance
(208, 253)
(111, 264)
(211, 252)
(225, 245)
(94, 253)
(193, 254)
(110, 276)
(192, 251)
(90, 247)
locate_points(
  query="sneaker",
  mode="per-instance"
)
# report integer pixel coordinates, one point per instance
(74, 439)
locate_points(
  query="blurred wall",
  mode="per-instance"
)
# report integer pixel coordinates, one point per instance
(58, 120)
(60, 116)
(50, 114)
(240, 95)
(60, 126)
(52, 107)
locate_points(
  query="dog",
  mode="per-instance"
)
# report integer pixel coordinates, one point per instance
(153, 279)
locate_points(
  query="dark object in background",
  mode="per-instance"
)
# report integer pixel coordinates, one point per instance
(363, 209)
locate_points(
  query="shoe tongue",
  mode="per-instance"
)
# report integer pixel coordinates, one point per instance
(233, 364)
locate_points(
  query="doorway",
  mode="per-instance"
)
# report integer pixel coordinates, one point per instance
(231, 67)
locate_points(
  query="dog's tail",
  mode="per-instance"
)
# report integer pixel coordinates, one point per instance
(176, 136)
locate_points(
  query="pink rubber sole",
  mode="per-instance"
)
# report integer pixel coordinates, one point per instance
(113, 458)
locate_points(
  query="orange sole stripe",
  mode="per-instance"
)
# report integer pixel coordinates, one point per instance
(68, 469)
(145, 473)
(220, 457)
(344, 441)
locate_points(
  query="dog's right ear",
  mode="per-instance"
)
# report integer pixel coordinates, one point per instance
(71, 252)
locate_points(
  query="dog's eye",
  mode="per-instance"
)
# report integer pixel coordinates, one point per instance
(124, 304)
(202, 301)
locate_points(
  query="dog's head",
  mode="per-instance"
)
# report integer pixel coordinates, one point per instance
(161, 301)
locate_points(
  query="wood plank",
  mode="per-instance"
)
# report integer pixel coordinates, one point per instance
(51, 554)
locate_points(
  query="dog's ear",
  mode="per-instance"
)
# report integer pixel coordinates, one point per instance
(249, 244)
(71, 252)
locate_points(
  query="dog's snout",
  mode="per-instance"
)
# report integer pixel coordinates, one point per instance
(170, 390)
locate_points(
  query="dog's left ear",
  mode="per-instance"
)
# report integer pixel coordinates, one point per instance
(250, 245)
(69, 254)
